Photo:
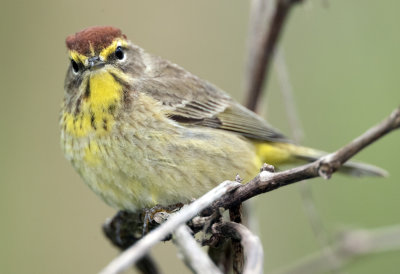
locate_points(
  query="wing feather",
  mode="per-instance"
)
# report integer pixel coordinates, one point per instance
(195, 102)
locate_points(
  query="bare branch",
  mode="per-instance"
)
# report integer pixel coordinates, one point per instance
(252, 248)
(135, 252)
(349, 246)
(334, 160)
(193, 255)
(324, 167)
(262, 48)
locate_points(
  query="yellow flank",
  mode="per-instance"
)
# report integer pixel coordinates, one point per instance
(111, 48)
(77, 126)
(91, 153)
(97, 110)
(273, 153)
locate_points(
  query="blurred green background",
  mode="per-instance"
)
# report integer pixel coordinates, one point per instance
(343, 58)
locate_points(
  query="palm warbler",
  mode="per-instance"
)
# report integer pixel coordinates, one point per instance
(143, 131)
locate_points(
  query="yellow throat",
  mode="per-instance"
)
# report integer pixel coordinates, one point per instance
(102, 98)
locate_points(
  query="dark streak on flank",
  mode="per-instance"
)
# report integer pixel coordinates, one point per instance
(105, 124)
(127, 99)
(111, 109)
(78, 106)
(74, 122)
(92, 123)
(87, 90)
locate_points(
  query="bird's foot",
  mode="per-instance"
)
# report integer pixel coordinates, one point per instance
(149, 214)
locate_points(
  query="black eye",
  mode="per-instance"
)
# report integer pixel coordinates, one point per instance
(75, 66)
(119, 53)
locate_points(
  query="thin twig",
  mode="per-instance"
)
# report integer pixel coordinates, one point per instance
(260, 60)
(252, 248)
(135, 252)
(349, 246)
(193, 255)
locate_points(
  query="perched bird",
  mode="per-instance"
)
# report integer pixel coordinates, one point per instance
(142, 131)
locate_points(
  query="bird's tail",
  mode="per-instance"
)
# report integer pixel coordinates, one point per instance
(286, 153)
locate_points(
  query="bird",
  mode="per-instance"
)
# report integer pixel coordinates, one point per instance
(142, 131)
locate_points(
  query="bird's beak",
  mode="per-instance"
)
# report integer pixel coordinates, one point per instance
(95, 62)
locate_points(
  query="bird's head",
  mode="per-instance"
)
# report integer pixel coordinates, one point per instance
(101, 46)
(103, 64)
(94, 47)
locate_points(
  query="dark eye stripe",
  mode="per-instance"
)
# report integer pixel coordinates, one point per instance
(75, 66)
